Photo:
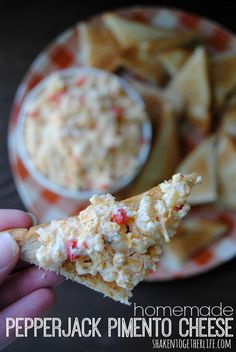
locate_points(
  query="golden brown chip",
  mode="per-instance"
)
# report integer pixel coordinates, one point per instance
(226, 162)
(149, 61)
(203, 161)
(191, 84)
(173, 59)
(98, 48)
(223, 77)
(130, 33)
(153, 98)
(193, 235)
(138, 62)
(159, 103)
(228, 123)
(164, 157)
(179, 40)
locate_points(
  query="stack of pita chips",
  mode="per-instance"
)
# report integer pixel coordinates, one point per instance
(121, 42)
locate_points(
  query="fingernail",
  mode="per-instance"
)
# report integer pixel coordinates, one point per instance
(8, 249)
(33, 218)
(57, 278)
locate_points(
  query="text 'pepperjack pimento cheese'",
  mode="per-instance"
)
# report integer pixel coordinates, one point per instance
(84, 133)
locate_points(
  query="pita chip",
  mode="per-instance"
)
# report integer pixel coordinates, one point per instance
(228, 122)
(129, 32)
(98, 47)
(226, 162)
(191, 84)
(193, 235)
(164, 156)
(203, 161)
(173, 59)
(85, 248)
(223, 77)
(143, 65)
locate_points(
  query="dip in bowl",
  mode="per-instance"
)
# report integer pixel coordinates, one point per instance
(83, 131)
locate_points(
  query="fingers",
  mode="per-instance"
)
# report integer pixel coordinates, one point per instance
(24, 282)
(21, 264)
(9, 255)
(19, 286)
(35, 304)
(10, 218)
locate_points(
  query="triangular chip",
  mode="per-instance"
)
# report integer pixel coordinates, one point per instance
(98, 48)
(193, 235)
(173, 59)
(223, 77)
(203, 161)
(190, 137)
(228, 123)
(192, 85)
(164, 157)
(159, 103)
(110, 245)
(149, 60)
(153, 98)
(180, 40)
(226, 162)
(143, 65)
(130, 33)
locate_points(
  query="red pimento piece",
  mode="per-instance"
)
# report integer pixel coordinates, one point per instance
(178, 207)
(33, 114)
(118, 112)
(55, 98)
(84, 245)
(71, 244)
(119, 216)
(80, 81)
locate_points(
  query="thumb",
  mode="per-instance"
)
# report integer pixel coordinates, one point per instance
(9, 254)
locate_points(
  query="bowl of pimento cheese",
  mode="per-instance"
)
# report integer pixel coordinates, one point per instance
(83, 131)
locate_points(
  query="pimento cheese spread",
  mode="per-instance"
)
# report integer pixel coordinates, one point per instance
(112, 239)
(84, 132)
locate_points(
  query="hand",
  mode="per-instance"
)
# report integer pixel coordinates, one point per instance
(25, 290)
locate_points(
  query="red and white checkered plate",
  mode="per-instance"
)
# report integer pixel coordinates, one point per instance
(63, 53)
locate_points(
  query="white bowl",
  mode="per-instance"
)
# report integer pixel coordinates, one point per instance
(63, 191)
